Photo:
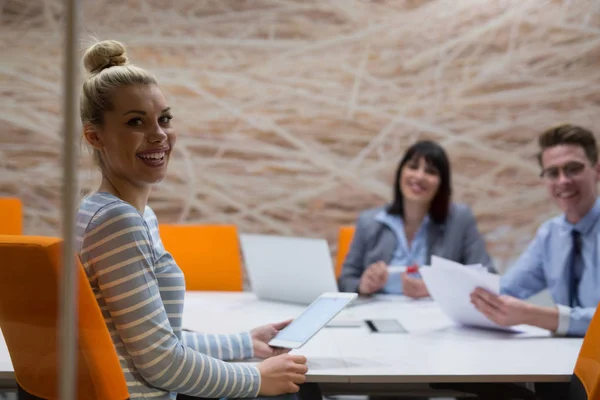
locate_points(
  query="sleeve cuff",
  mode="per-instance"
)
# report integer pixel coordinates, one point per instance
(564, 320)
(257, 379)
(248, 348)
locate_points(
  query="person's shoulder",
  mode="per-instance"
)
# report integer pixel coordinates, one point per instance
(461, 208)
(107, 210)
(460, 212)
(549, 225)
(370, 214)
(366, 222)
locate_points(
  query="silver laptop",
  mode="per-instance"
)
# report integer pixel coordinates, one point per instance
(288, 269)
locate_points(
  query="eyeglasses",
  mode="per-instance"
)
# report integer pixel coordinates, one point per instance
(570, 170)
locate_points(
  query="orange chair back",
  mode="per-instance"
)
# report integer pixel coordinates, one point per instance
(29, 279)
(209, 255)
(585, 382)
(345, 235)
(11, 216)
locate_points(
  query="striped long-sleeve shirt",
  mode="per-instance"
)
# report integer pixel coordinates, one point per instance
(140, 290)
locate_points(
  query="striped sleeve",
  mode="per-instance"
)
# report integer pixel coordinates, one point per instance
(223, 347)
(117, 255)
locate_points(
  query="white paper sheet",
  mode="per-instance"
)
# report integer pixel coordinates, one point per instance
(450, 284)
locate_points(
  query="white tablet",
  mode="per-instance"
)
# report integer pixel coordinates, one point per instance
(312, 320)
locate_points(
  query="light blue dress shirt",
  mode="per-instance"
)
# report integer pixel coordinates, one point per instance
(546, 263)
(404, 254)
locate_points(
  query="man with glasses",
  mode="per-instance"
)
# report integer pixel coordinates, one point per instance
(565, 253)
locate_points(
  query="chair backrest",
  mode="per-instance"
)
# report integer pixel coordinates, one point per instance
(345, 235)
(209, 255)
(585, 382)
(11, 216)
(29, 279)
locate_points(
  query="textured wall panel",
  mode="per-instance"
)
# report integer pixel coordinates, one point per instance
(292, 115)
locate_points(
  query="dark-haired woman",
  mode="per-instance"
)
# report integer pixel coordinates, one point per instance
(420, 222)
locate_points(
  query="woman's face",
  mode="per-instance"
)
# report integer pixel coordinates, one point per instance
(419, 181)
(136, 139)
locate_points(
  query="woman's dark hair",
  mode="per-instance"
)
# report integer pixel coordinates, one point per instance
(435, 156)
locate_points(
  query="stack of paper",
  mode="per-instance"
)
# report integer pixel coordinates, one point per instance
(450, 284)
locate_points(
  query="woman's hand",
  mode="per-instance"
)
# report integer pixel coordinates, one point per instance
(261, 337)
(373, 279)
(413, 287)
(282, 374)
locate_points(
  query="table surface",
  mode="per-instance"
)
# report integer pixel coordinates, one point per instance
(433, 350)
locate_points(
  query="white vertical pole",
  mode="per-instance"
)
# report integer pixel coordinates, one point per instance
(68, 278)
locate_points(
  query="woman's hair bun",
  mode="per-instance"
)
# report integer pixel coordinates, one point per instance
(104, 54)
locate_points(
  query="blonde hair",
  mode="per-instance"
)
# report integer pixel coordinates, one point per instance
(108, 69)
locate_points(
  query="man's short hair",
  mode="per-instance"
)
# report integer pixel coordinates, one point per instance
(569, 134)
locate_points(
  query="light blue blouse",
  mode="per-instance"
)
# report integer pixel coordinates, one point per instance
(404, 254)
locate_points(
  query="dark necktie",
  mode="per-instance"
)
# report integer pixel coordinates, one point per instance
(576, 269)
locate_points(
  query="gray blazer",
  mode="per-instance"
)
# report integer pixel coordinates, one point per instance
(458, 239)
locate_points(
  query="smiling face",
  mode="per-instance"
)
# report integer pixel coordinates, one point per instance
(419, 181)
(571, 179)
(136, 139)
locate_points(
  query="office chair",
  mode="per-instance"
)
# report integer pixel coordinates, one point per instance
(29, 299)
(585, 381)
(345, 235)
(11, 216)
(209, 255)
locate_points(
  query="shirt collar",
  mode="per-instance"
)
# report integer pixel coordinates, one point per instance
(587, 222)
(384, 217)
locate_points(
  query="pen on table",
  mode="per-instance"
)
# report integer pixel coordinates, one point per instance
(401, 269)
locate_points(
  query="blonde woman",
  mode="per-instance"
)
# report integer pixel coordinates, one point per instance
(139, 287)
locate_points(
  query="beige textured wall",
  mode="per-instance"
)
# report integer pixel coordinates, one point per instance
(293, 114)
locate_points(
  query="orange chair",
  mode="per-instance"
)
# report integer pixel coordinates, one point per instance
(585, 382)
(209, 255)
(29, 284)
(346, 233)
(11, 215)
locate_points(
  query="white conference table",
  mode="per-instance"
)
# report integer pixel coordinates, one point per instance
(433, 351)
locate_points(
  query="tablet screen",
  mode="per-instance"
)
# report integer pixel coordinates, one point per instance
(315, 317)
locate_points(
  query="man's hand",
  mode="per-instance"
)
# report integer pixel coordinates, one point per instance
(261, 337)
(503, 310)
(413, 287)
(508, 311)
